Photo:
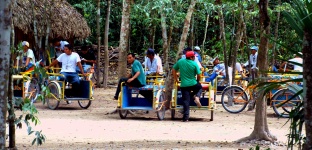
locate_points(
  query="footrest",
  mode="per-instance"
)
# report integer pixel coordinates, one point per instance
(146, 87)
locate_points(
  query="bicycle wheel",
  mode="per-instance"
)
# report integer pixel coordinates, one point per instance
(84, 103)
(161, 111)
(234, 99)
(53, 98)
(283, 109)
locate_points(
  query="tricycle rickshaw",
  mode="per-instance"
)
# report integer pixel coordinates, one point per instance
(131, 99)
(207, 100)
(60, 90)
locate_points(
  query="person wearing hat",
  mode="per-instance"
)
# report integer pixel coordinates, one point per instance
(218, 68)
(151, 62)
(190, 86)
(197, 53)
(195, 59)
(27, 58)
(252, 58)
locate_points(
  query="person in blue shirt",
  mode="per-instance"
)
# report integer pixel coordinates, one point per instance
(197, 53)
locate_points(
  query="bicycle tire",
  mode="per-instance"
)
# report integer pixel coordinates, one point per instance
(228, 96)
(162, 111)
(53, 98)
(283, 110)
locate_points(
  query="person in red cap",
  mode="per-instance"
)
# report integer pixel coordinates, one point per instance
(190, 85)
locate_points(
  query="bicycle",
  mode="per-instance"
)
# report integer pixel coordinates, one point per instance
(234, 98)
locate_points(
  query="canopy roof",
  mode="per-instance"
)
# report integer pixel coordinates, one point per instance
(65, 21)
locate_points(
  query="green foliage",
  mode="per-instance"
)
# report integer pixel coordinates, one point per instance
(30, 112)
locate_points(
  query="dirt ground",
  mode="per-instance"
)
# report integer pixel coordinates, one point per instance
(71, 127)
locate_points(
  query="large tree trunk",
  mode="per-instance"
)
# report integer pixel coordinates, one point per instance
(98, 36)
(238, 40)
(169, 79)
(164, 38)
(5, 30)
(124, 38)
(106, 59)
(186, 28)
(261, 130)
(307, 76)
(223, 38)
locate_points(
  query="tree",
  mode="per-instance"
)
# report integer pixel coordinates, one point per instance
(98, 31)
(261, 129)
(5, 29)
(106, 58)
(124, 38)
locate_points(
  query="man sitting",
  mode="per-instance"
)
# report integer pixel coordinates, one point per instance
(28, 58)
(151, 63)
(87, 59)
(69, 62)
(136, 78)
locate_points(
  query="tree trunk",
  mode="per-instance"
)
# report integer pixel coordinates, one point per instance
(169, 79)
(186, 28)
(238, 40)
(307, 77)
(106, 59)
(124, 38)
(276, 34)
(223, 38)
(5, 53)
(98, 36)
(205, 35)
(261, 130)
(35, 25)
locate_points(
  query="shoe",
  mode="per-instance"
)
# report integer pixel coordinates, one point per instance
(115, 98)
(197, 102)
(185, 120)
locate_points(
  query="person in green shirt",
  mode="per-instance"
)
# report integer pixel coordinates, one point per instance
(190, 85)
(136, 78)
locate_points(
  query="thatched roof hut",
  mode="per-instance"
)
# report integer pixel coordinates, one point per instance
(65, 21)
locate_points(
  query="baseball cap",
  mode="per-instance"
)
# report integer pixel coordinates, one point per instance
(254, 48)
(197, 48)
(150, 51)
(189, 54)
(215, 59)
(25, 43)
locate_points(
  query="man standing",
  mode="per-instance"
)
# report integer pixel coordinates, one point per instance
(189, 83)
(253, 61)
(197, 53)
(28, 57)
(136, 78)
(87, 58)
(70, 60)
(252, 58)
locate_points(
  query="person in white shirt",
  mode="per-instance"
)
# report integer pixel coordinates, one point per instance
(27, 58)
(297, 60)
(252, 58)
(59, 46)
(159, 64)
(151, 62)
(69, 60)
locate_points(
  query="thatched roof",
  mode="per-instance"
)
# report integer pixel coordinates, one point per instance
(66, 22)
